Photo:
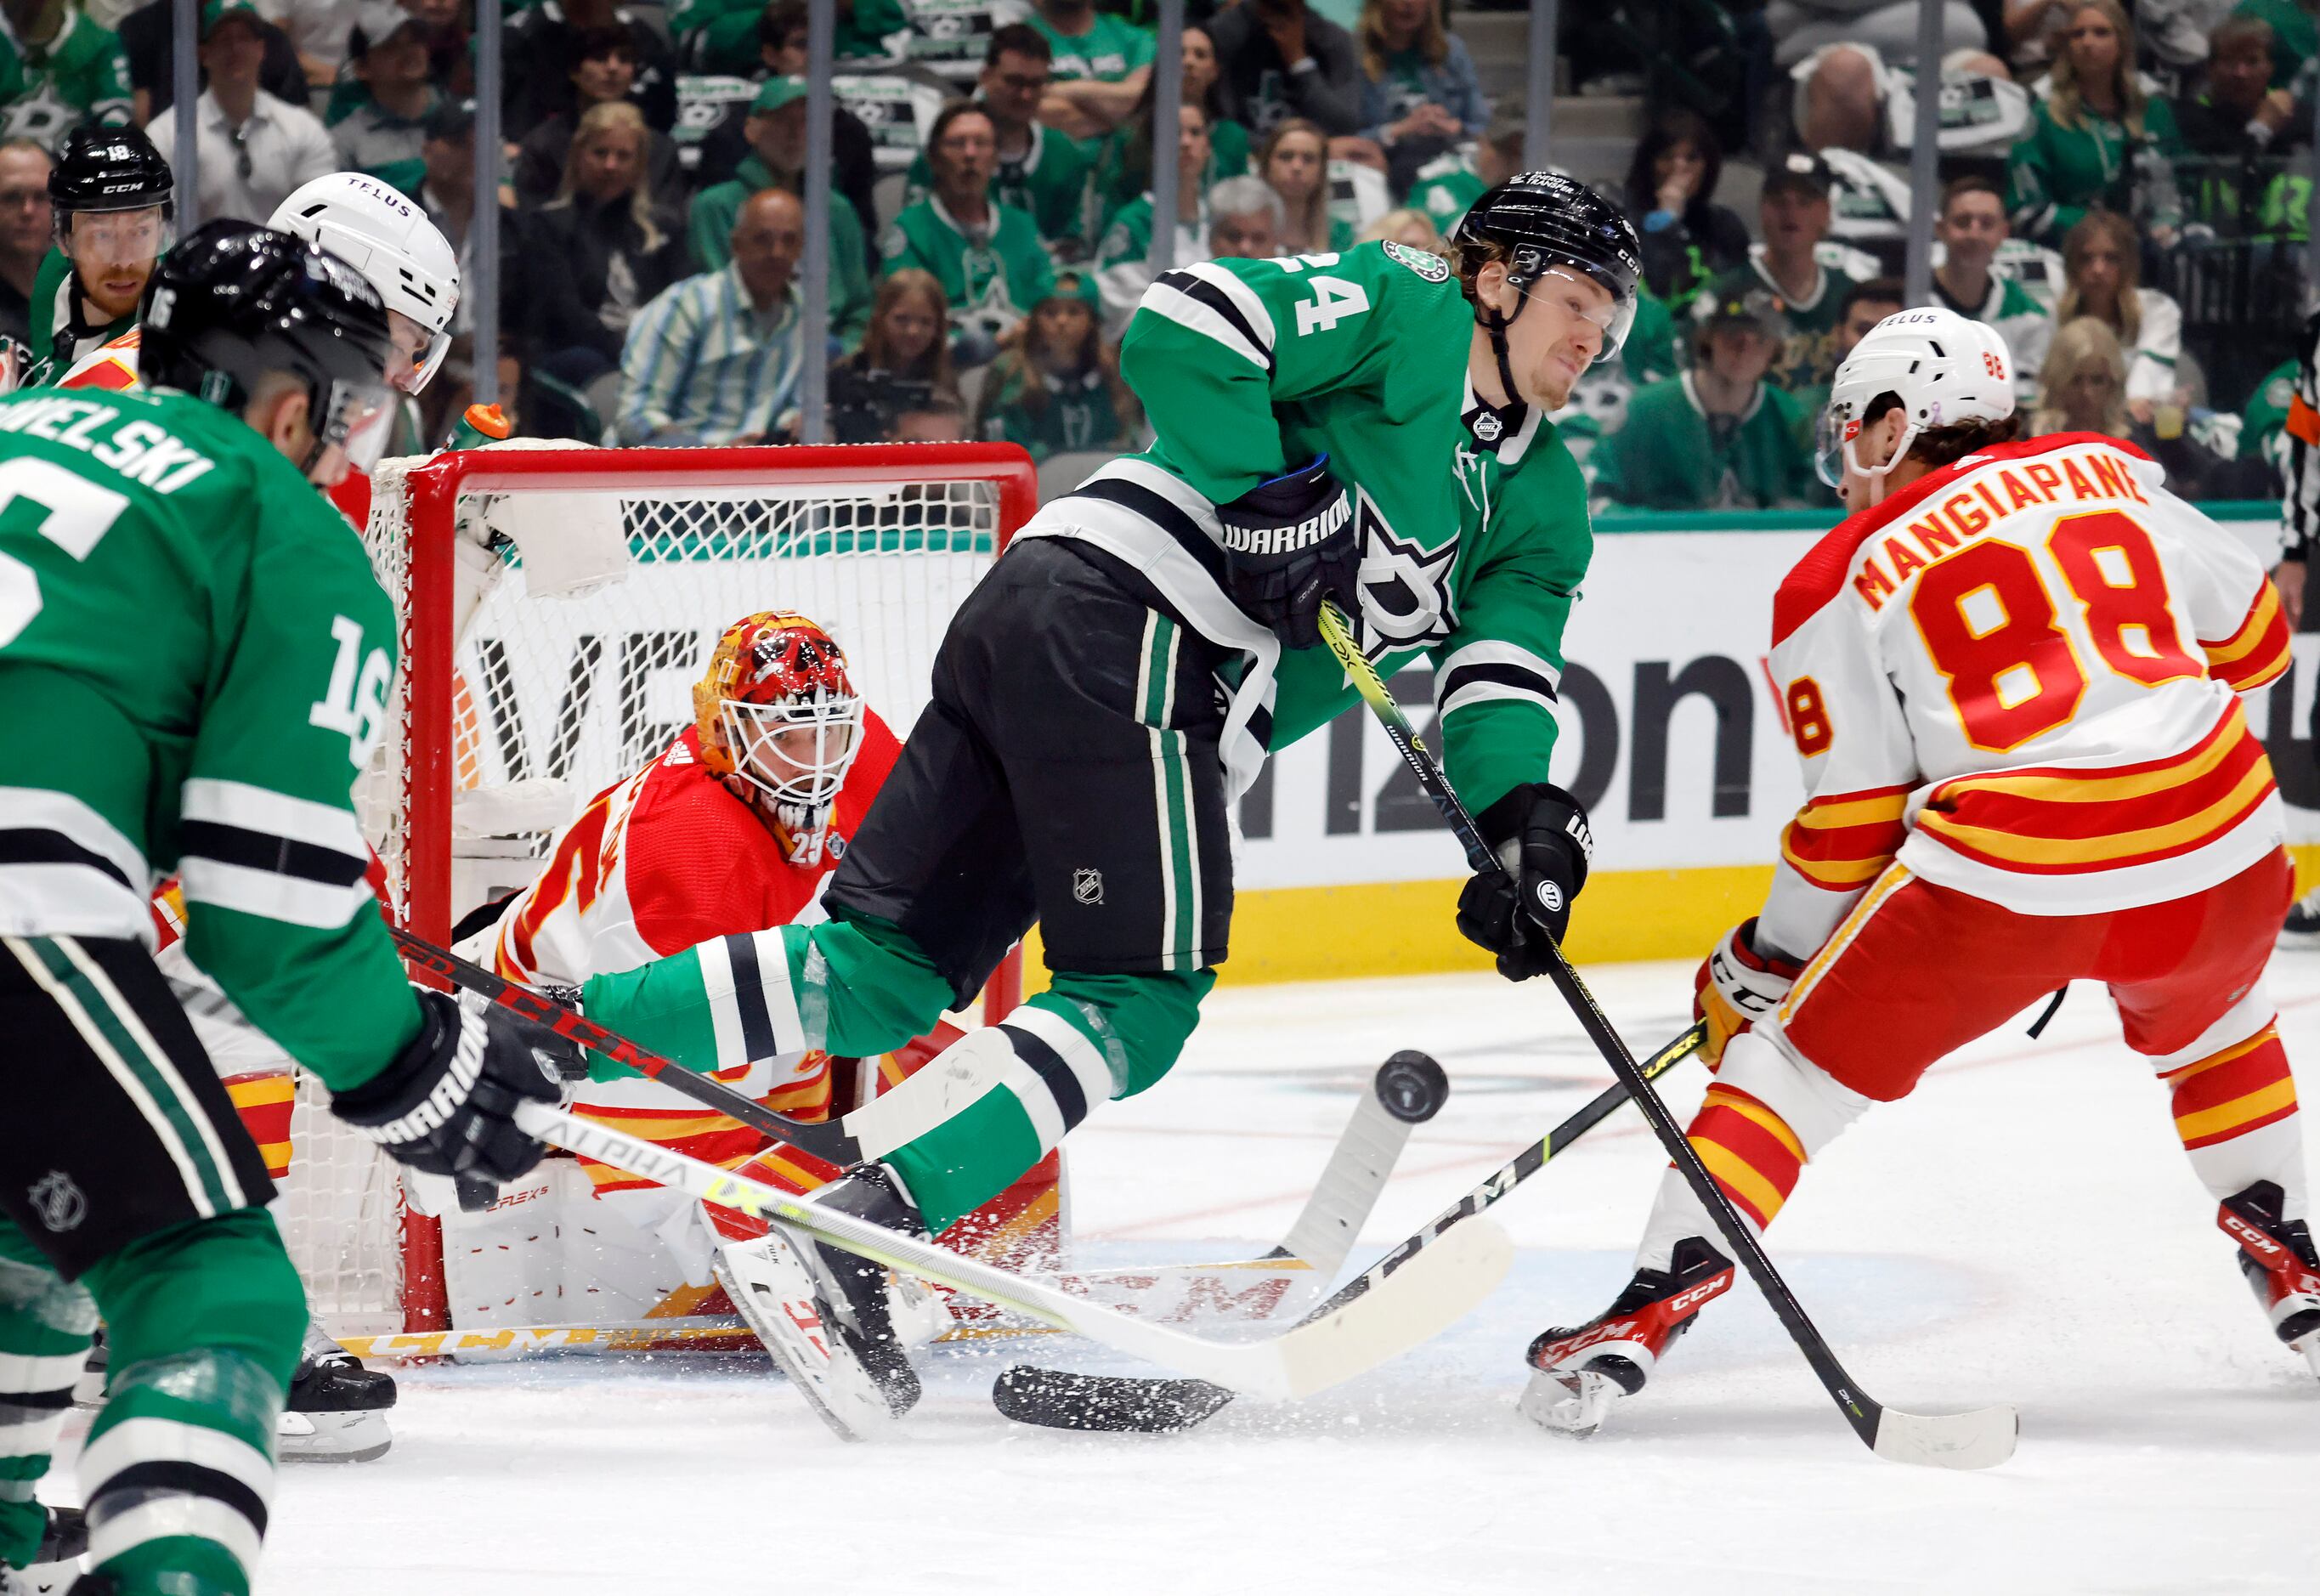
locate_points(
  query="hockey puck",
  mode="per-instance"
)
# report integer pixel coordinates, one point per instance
(1412, 1087)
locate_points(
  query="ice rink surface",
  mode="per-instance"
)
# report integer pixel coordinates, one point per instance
(2025, 1229)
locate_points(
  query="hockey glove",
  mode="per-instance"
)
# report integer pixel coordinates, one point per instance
(447, 1106)
(1540, 834)
(1289, 544)
(1737, 986)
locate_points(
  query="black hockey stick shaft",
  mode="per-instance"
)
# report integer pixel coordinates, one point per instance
(827, 1142)
(1860, 1410)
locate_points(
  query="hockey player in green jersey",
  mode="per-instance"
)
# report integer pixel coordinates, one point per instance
(1368, 427)
(194, 666)
(113, 196)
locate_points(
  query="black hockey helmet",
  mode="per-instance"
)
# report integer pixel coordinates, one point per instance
(1535, 222)
(107, 167)
(237, 302)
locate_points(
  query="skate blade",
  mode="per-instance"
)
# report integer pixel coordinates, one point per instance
(1573, 1405)
(355, 1436)
(918, 1310)
(774, 1294)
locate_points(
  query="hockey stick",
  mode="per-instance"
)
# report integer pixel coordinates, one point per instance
(829, 1142)
(1061, 1399)
(1976, 1439)
(1309, 1357)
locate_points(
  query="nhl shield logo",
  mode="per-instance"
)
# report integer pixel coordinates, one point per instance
(58, 1201)
(1488, 427)
(1087, 887)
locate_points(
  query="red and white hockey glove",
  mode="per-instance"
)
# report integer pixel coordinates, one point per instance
(1737, 986)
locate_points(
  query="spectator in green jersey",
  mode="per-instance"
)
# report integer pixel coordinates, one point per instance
(1972, 229)
(1058, 391)
(723, 36)
(1101, 62)
(1040, 170)
(776, 133)
(1122, 257)
(1294, 162)
(58, 67)
(904, 357)
(1721, 437)
(1794, 218)
(986, 255)
(2097, 138)
(2263, 424)
(1123, 165)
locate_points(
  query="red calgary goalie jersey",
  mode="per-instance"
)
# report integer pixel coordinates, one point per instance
(2018, 678)
(668, 858)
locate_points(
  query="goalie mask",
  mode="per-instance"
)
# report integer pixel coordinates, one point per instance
(780, 724)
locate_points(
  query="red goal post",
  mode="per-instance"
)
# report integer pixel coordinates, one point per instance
(511, 708)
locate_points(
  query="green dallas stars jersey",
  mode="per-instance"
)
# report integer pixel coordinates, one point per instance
(194, 660)
(1474, 546)
(79, 76)
(1050, 183)
(997, 278)
(1111, 49)
(1671, 455)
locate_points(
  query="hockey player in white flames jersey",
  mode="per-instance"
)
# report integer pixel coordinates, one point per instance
(2012, 675)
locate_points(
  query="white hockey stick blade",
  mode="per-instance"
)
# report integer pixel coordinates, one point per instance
(1409, 1089)
(1983, 1438)
(1433, 1291)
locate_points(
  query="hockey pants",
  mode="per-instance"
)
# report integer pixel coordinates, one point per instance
(130, 1190)
(1916, 971)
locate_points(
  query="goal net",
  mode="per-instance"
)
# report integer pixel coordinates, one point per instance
(512, 707)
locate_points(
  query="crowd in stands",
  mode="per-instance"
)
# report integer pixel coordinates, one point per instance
(2123, 197)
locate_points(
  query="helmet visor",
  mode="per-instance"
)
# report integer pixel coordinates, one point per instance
(360, 418)
(1836, 431)
(797, 750)
(1578, 293)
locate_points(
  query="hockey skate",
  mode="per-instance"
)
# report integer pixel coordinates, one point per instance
(2280, 1263)
(827, 1316)
(1579, 1373)
(337, 1411)
(55, 1565)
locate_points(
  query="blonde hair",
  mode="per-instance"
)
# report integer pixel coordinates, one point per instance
(897, 286)
(1313, 224)
(1410, 227)
(1433, 40)
(614, 115)
(2078, 345)
(2068, 95)
(2126, 312)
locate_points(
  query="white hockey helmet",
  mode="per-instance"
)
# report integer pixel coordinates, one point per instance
(1944, 369)
(386, 236)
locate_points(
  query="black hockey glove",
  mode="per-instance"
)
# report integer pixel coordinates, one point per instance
(448, 1105)
(1540, 834)
(1290, 543)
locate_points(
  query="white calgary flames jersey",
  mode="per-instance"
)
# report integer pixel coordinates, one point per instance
(2018, 678)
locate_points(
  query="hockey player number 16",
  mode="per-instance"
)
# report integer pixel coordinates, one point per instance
(1988, 619)
(76, 513)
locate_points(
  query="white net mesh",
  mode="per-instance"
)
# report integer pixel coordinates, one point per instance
(556, 698)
